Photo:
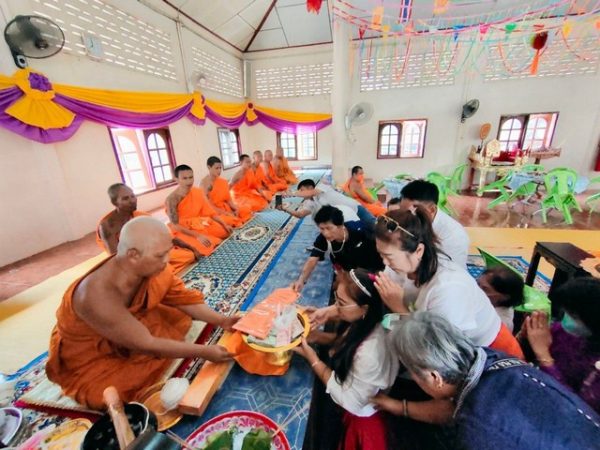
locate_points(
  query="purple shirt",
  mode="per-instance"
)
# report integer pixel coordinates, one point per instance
(574, 365)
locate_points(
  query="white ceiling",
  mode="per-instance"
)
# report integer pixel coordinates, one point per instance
(254, 25)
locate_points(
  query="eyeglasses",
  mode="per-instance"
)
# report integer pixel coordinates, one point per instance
(392, 225)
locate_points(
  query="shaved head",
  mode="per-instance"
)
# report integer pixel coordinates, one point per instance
(268, 155)
(257, 156)
(113, 191)
(143, 234)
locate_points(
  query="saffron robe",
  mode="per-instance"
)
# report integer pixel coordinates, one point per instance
(283, 170)
(179, 258)
(376, 208)
(220, 197)
(196, 213)
(84, 363)
(275, 185)
(245, 193)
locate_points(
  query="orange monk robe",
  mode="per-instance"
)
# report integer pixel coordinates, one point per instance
(279, 183)
(179, 258)
(284, 172)
(220, 197)
(245, 193)
(261, 178)
(377, 209)
(196, 214)
(84, 363)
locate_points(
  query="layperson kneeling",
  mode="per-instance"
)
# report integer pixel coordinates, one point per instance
(483, 398)
(123, 323)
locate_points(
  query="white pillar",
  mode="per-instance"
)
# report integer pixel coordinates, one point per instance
(340, 93)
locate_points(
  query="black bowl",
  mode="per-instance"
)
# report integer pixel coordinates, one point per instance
(102, 434)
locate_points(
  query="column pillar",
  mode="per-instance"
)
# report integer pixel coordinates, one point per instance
(340, 92)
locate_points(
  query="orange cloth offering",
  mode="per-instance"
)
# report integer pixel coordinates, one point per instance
(507, 343)
(245, 193)
(220, 197)
(84, 363)
(376, 208)
(252, 361)
(179, 258)
(259, 321)
(283, 170)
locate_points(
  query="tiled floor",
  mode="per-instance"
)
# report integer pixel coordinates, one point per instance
(472, 212)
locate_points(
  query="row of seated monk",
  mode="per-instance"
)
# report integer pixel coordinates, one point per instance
(123, 323)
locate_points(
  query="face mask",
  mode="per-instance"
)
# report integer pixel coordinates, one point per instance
(574, 326)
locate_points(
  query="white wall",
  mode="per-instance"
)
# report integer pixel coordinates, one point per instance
(53, 193)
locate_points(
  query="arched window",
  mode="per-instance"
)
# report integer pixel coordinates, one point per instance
(510, 134)
(401, 139)
(535, 136)
(389, 138)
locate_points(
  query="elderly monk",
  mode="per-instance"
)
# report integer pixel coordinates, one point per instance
(282, 169)
(217, 189)
(273, 181)
(355, 188)
(124, 321)
(109, 228)
(246, 190)
(261, 174)
(192, 217)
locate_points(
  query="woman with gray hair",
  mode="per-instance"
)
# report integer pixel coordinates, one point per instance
(498, 401)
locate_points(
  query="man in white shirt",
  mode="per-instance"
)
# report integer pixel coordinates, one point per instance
(356, 216)
(454, 240)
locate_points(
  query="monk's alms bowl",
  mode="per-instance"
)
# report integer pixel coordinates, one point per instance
(102, 434)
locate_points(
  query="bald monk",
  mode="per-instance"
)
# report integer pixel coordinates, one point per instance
(109, 228)
(261, 175)
(192, 218)
(282, 169)
(246, 190)
(355, 188)
(123, 322)
(273, 181)
(217, 191)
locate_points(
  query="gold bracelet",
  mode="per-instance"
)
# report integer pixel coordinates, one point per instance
(405, 407)
(546, 361)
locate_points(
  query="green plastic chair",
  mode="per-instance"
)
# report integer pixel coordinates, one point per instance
(500, 186)
(374, 190)
(594, 197)
(441, 182)
(533, 299)
(403, 176)
(560, 193)
(455, 180)
(527, 190)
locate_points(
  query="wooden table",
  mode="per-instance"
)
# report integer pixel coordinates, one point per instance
(566, 259)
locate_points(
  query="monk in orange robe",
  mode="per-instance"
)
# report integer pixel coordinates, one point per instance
(217, 189)
(261, 175)
(192, 218)
(109, 228)
(246, 190)
(282, 169)
(123, 322)
(355, 188)
(273, 181)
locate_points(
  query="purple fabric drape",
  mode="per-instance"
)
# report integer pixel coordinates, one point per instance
(11, 95)
(118, 118)
(225, 121)
(284, 126)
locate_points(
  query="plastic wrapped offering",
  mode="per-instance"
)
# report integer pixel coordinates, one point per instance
(257, 439)
(222, 440)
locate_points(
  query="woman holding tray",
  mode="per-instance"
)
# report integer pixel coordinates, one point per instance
(360, 365)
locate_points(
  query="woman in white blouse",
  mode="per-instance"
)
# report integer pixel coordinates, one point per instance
(360, 365)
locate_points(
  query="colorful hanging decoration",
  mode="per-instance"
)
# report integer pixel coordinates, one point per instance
(509, 28)
(538, 42)
(313, 6)
(567, 28)
(377, 17)
(38, 110)
(440, 7)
